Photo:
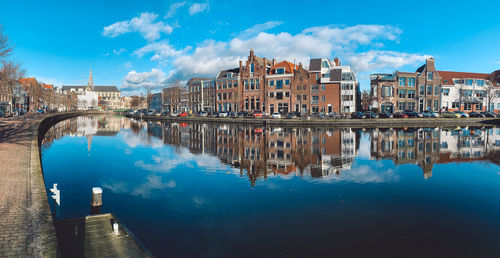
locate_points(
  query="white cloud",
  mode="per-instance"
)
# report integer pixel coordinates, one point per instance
(256, 29)
(119, 51)
(197, 8)
(173, 9)
(161, 50)
(377, 59)
(154, 79)
(145, 24)
(128, 65)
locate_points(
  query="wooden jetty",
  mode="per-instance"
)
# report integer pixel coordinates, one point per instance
(94, 236)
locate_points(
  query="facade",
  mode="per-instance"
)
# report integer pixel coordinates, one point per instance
(156, 101)
(402, 91)
(90, 96)
(279, 87)
(464, 91)
(253, 77)
(172, 99)
(301, 90)
(334, 88)
(201, 94)
(228, 91)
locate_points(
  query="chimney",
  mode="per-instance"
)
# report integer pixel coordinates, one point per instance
(337, 62)
(240, 65)
(274, 62)
(251, 52)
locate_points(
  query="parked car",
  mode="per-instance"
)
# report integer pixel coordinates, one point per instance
(462, 114)
(174, 114)
(183, 114)
(164, 113)
(203, 114)
(276, 115)
(358, 115)
(291, 115)
(429, 114)
(399, 115)
(257, 114)
(448, 114)
(222, 114)
(40, 111)
(476, 114)
(385, 115)
(413, 114)
(489, 114)
(371, 114)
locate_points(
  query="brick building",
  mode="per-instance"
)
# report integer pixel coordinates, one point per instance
(253, 75)
(279, 87)
(201, 94)
(228, 91)
(401, 91)
(301, 90)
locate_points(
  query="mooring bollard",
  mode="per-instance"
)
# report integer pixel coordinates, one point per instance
(96, 196)
(96, 203)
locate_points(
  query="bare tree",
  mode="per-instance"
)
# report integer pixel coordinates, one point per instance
(5, 49)
(11, 71)
(491, 95)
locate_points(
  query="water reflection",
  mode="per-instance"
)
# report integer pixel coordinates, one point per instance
(261, 152)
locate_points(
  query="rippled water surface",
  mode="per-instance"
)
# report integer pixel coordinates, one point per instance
(225, 190)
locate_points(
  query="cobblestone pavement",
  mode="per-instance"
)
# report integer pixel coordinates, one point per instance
(18, 235)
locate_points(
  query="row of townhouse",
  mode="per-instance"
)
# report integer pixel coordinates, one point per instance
(29, 95)
(430, 89)
(261, 84)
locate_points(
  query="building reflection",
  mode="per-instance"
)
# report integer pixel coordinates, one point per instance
(260, 152)
(428, 146)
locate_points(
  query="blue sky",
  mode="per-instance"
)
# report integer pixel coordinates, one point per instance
(141, 44)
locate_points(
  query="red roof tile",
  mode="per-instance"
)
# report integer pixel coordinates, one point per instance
(447, 76)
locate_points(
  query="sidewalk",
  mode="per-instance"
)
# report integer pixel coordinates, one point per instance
(21, 220)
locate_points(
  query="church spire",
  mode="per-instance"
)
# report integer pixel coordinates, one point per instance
(91, 81)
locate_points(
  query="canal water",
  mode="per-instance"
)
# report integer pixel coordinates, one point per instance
(228, 190)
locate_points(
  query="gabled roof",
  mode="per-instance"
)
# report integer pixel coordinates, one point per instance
(223, 73)
(289, 67)
(96, 88)
(447, 76)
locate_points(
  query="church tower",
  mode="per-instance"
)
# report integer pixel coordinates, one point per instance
(90, 85)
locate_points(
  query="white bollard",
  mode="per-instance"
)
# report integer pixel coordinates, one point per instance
(115, 229)
(96, 196)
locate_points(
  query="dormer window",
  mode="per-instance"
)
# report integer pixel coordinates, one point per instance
(325, 64)
(229, 75)
(280, 70)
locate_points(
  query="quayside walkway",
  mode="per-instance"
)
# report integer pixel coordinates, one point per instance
(26, 226)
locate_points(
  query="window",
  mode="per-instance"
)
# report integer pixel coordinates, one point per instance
(323, 99)
(271, 83)
(314, 88)
(279, 95)
(401, 105)
(469, 82)
(315, 99)
(287, 82)
(454, 105)
(287, 94)
(436, 90)
(479, 107)
(374, 91)
(402, 81)
(436, 105)
(322, 87)
(280, 70)
(317, 76)
(468, 106)
(252, 68)
(304, 97)
(347, 77)
(430, 76)
(325, 64)
(257, 84)
(411, 94)
(252, 87)
(429, 90)
(279, 84)
(421, 90)
(271, 95)
(410, 106)
(402, 94)
(480, 82)
(246, 84)
(411, 82)
(446, 92)
(386, 91)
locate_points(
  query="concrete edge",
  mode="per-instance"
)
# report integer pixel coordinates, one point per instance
(44, 242)
(341, 123)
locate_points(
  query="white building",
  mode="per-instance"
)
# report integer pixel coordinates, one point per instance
(468, 92)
